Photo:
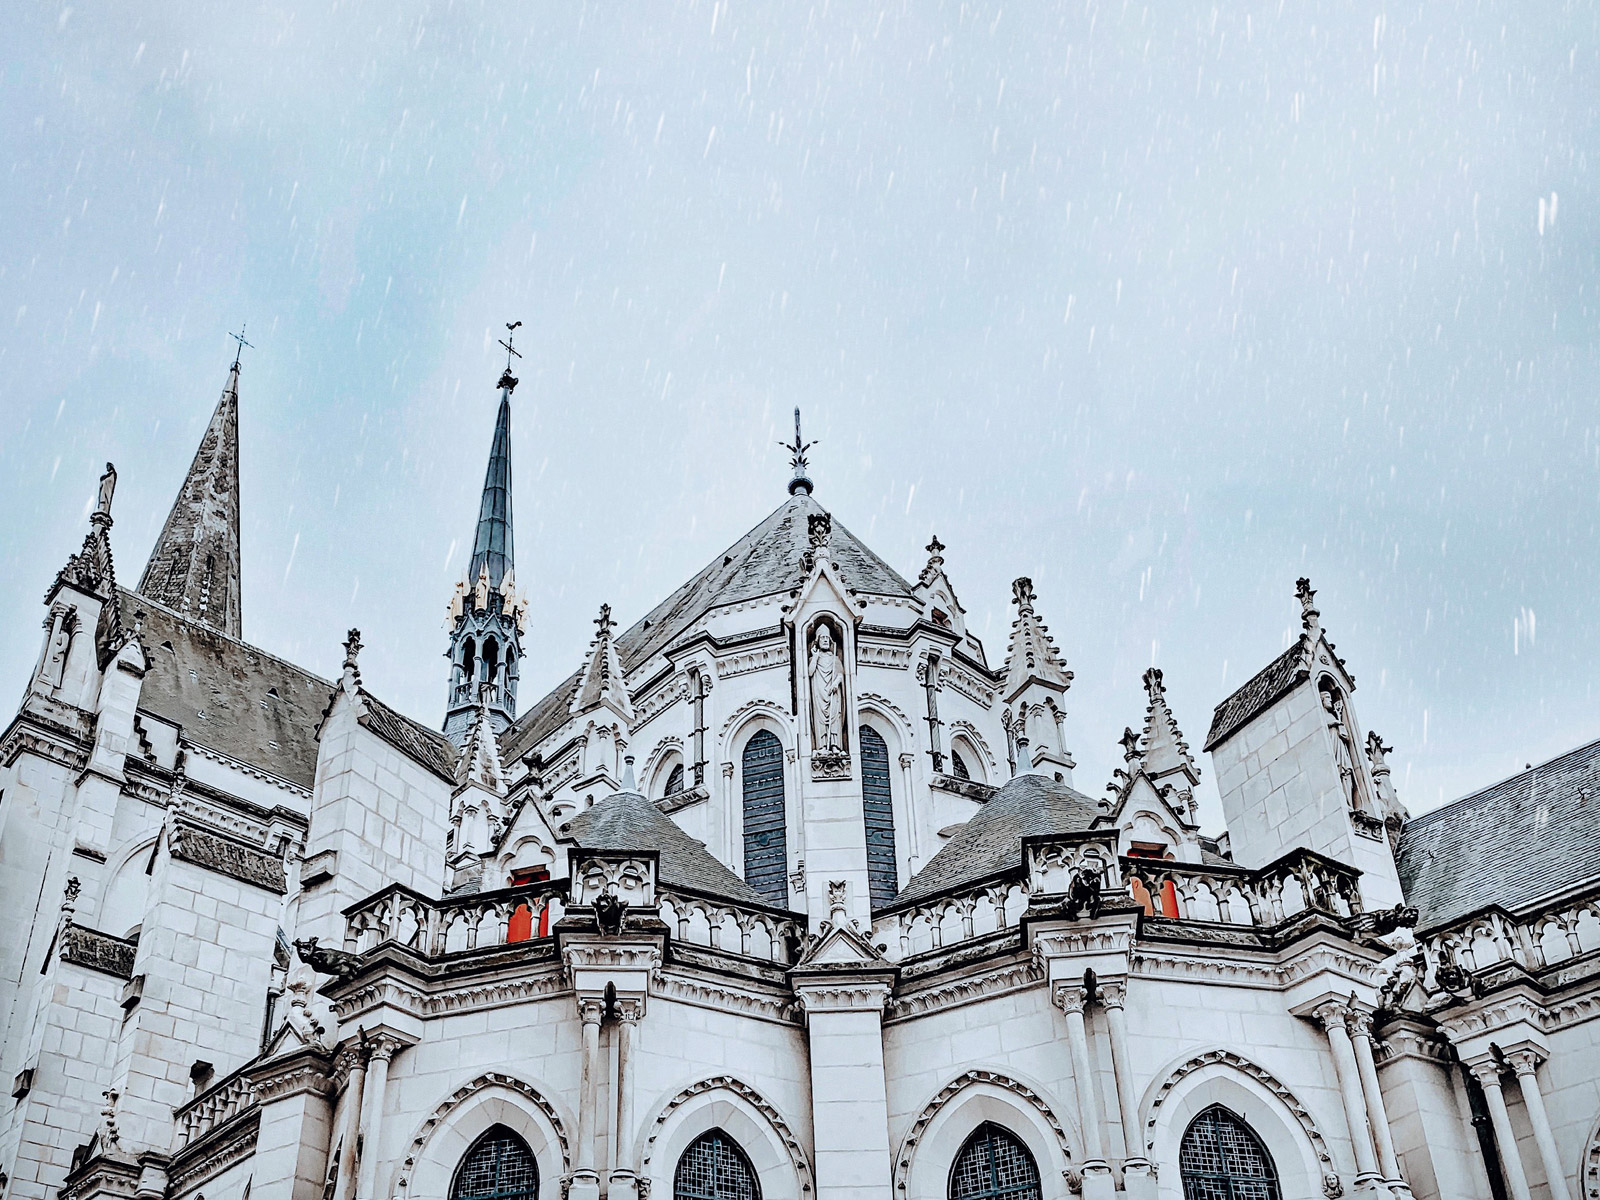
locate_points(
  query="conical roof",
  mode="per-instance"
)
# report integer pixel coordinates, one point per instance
(194, 568)
(492, 546)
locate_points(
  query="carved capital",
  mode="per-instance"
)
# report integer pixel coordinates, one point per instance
(1486, 1071)
(906, 760)
(1069, 997)
(1112, 994)
(1523, 1062)
(630, 1009)
(591, 1009)
(1335, 1014)
(1358, 1022)
(382, 1048)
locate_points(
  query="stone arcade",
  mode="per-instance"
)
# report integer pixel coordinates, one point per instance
(786, 892)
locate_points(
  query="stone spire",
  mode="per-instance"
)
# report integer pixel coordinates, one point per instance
(1036, 684)
(487, 613)
(194, 567)
(601, 681)
(1032, 656)
(1161, 745)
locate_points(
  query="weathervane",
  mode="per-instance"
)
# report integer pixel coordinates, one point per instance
(508, 381)
(797, 459)
(239, 337)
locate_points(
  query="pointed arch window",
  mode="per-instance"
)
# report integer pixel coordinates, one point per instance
(877, 813)
(766, 847)
(714, 1168)
(498, 1167)
(674, 780)
(1221, 1158)
(993, 1163)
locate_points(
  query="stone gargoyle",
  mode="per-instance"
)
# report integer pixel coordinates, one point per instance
(325, 960)
(1083, 895)
(608, 912)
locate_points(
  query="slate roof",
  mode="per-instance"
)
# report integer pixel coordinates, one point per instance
(1533, 835)
(764, 562)
(627, 821)
(422, 745)
(1028, 806)
(1266, 686)
(240, 701)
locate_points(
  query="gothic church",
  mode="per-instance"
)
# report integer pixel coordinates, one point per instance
(787, 892)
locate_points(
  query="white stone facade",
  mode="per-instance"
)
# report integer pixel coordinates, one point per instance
(269, 938)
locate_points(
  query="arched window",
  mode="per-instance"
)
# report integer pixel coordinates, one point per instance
(766, 847)
(674, 780)
(491, 661)
(714, 1168)
(498, 1167)
(877, 812)
(958, 765)
(994, 1163)
(1221, 1158)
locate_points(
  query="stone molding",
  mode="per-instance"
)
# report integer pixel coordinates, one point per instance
(753, 660)
(842, 997)
(244, 768)
(303, 1073)
(752, 708)
(721, 999)
(190, 843)
(465, 1093)
(85, 947)
(1064, 943)
(1263, 1077)
(210, 1157)
(378, 994)
(880, 701)
(53, 747)
(902, 1167)
(1013, 977)
(1499, 1013)
(100, 1178)
(728, 1083)
(874, 654)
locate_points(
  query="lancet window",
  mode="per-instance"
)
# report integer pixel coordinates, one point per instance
(766, 848)
(714, 1168)
(498, 1167)
(877, 812)
(1221, 1158)
(993, 1163)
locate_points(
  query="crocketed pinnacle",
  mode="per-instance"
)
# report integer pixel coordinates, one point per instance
(601, 680)
(194, 567)
(492, 548)
(1161, 745)
(1032, 656)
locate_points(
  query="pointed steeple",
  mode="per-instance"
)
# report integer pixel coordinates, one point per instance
(1032, 656)
(601, 682)
(194, 567)
(487, 612)
(1166, 755)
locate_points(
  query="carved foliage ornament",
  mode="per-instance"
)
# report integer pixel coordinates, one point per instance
(226, 857)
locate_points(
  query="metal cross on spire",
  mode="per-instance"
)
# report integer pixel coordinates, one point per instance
(508, 381)
(797, 459)
(239, 337)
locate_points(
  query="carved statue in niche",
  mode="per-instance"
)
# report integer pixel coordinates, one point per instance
(53, 664)
(1344, 746)
(825, 691)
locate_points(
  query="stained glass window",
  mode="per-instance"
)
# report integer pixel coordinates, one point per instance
(994, 1163)
(766, 852)
(1222, 1159)
(498, 1167)
(714, 1168)
(877, 810)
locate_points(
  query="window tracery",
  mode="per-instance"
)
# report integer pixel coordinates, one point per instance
(993, 1163)
(715, 1168)
(1221, 1158)
(499, 1166)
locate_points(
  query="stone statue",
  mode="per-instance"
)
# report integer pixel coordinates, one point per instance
(827, 695)
(1084, 894)
(53, 667)
(1344, 748)
(108, 487)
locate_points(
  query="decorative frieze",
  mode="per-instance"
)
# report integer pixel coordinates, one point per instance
(671, 985)
(894, 658)
(189, 843)
(85, 947)
(763, 659)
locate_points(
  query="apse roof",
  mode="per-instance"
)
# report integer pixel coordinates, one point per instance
(1512, 843)
(766, 561)
(991, 842)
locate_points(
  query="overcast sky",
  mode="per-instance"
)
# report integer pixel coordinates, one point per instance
(1163, 305)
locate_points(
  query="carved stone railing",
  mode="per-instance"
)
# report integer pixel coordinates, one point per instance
(704, 920)
(214, 1107)
(1536, 939)
(455, 924)
(1299, 881)
(964, 915)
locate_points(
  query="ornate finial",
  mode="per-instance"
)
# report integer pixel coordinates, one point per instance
(604, 621)
(1130, 744)
(935, 550)
(352, 651)
(1022, 595)
(69, 897)
(239, 337)
(1309, 613)
(508, 381)
(102, 505)
(797, 459)
(1152, 683)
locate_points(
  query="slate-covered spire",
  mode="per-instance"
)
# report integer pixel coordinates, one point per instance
(194, 567)
(601, 682)
(1032, 656)
(487, 613)
(1165, 753)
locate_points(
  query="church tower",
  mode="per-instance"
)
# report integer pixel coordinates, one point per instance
(486, 612)
(194, 568)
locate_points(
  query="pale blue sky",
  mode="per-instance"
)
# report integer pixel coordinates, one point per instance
(1162, 305)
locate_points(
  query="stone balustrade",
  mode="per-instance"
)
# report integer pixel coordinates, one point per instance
(1535, 940)
(1299, 881)
(977, 912)
(455, 924)
(706, 921)
(214, 1107)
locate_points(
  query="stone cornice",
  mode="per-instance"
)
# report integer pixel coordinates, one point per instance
(702, 993)
(85, 947)
(102, 1176)
(28, 733)
(244, 768)
(969, 989)
(213, 1154)
(842, 995)
(304, 1072)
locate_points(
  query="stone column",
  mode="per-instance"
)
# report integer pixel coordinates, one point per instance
(1360, 1027)
(585, 1179)
(1136, 1177)
(1097, 1182)
(624, 1184)
(1526, 1063)
(913, 838)
(353, 1095)
(292, 1138)
(849, 1096)
(1487, 1072)
(383, 1049)
(1333, 1016)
